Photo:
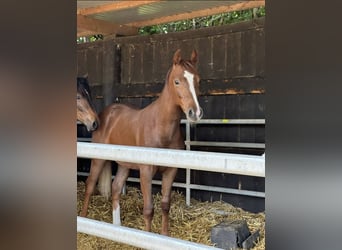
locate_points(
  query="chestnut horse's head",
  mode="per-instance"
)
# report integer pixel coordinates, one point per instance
(183, 79)
(86, 113)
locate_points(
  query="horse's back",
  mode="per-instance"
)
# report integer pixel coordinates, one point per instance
(117, 125)
(115, 110)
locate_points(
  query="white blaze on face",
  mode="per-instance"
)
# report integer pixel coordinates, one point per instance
(190, 78)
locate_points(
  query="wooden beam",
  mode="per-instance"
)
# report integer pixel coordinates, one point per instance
(86, 33)
(120, 5)
(240, 86)
(199, 13)
(103, 27)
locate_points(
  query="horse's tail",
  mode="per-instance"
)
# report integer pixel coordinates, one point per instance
(105, 180)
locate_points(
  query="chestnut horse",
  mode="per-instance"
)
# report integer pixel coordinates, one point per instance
(157, 125)
(86, 113)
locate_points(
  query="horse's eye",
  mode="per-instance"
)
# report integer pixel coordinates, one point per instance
(78, 97)
(176, 82)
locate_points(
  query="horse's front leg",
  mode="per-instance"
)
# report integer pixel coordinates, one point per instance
(95, 170)
(146, 175)
(167, 180)
(118, 182)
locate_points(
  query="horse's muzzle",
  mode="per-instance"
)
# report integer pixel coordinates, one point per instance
(93, 126)
(194, 116)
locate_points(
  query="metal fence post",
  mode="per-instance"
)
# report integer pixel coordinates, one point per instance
(188, 170)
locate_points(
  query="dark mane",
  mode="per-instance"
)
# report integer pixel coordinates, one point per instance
(188, 66)
(83, 86)
(84, 89)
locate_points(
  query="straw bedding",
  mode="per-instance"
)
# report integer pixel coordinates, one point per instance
(192, 223)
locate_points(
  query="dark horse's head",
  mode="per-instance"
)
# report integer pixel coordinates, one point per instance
(183, 80)
(86, 113)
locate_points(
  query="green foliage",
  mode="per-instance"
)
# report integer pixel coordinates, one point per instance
(87, 39)
(200, 22)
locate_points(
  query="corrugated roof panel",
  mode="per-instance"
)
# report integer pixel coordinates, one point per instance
(157, 10)
(89, 4)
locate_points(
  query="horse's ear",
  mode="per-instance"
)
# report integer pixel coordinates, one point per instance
(177, 57)
(85, 75)
(193, 58)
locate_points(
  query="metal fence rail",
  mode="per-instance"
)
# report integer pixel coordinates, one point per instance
(228, 121)
(240, 164)
(226, 144)
(197, 187)
(187, 185)
(190, 143)
(135, 237)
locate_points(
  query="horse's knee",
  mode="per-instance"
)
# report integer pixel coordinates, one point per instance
(165, 206)
(116, 193)
(116, 190)
(89, 186)
(148, 212)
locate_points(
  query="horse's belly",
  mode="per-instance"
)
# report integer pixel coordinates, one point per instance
(129, 165)
(135, 166)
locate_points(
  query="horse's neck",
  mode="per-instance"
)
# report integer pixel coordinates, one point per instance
(164, 120)
(168, 111)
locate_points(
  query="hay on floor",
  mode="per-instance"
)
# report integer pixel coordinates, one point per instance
(192, 223)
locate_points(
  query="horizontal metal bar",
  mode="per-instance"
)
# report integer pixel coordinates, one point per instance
(222, 121)
(208, 188)
(226, 144)
(84, 139)
(197, 187)
(227, 190)
(135, 237)
(206, 143)
(206, 161)
(228, 121)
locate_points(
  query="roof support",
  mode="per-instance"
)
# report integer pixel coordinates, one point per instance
(103, 27)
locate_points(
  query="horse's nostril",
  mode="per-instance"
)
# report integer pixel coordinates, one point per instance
(191, 113)
(95, 124)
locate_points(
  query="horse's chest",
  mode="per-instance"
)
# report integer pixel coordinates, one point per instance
(162, 136)
(164, 140)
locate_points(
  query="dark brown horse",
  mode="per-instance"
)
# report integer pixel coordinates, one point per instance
(157, 125)
(86, 113)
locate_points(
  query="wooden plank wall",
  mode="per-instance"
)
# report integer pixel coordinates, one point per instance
(231, 61)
